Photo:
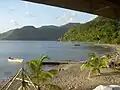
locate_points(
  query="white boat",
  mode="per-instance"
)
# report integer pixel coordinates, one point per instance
(15, 60)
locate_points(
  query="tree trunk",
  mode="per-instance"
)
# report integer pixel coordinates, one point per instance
(99, 71)
(89, 74)
(39, 88)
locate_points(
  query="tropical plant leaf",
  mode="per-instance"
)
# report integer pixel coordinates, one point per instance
(92, 55)
(103, 57)
(42, 77)
(37, 74)
(46, 75)
(35, 66)
(103, 63)
(43, 57)
(53, 71)
(94, 63)
(84, 66)
(93, 70)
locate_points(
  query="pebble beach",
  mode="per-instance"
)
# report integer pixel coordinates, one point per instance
(72, 78)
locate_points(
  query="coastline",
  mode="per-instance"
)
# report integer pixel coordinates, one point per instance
(115, 48)
(70, 77)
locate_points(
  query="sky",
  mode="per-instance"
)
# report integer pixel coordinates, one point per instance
(17, 13)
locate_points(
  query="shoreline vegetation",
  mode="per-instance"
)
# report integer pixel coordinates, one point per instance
(70, 77)
(99, 30)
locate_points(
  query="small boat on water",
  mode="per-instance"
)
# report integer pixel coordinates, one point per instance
(76, 44)
(10, 59)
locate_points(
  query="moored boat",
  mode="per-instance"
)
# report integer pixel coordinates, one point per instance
(76, 44)
(15, 60)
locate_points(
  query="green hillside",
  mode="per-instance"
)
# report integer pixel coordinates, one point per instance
(48, 33)
(99, 30)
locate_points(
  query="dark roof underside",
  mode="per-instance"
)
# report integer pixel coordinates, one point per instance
(106, 8)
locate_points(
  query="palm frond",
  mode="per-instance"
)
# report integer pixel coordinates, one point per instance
(31, 65)
(84, 66)
(92, 55)
(38, 75)
(103, 63)
(95, 63)
(46, 74)
(53, 71)
(42, 77)
(103, 57)
(93, 70)
(34, 66)
(43, 57)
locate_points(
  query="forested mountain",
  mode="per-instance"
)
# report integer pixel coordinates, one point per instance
(31, 33)
(100, 30)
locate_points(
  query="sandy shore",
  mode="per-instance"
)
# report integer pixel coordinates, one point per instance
(113, 46)
(72, 78)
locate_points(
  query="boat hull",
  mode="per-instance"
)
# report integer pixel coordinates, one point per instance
(15, 60)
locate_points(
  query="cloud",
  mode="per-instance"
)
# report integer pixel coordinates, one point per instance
(28, 14)
(13, 22)
(67, 17)
(11, 9)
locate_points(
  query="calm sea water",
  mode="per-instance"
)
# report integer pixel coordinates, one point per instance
(28, 50)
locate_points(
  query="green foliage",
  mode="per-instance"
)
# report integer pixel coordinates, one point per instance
(37, 74)
(94, 64)
(99, 30)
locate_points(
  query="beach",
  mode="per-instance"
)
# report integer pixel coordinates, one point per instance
(72, 78)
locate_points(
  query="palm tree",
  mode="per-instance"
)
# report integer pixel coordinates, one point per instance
(37, 74)
(94, 64)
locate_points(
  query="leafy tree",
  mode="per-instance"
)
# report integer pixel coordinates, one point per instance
(37, 74)
(94, 64)
(99, 30)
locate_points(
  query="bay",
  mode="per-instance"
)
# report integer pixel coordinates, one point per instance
(28, 50)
